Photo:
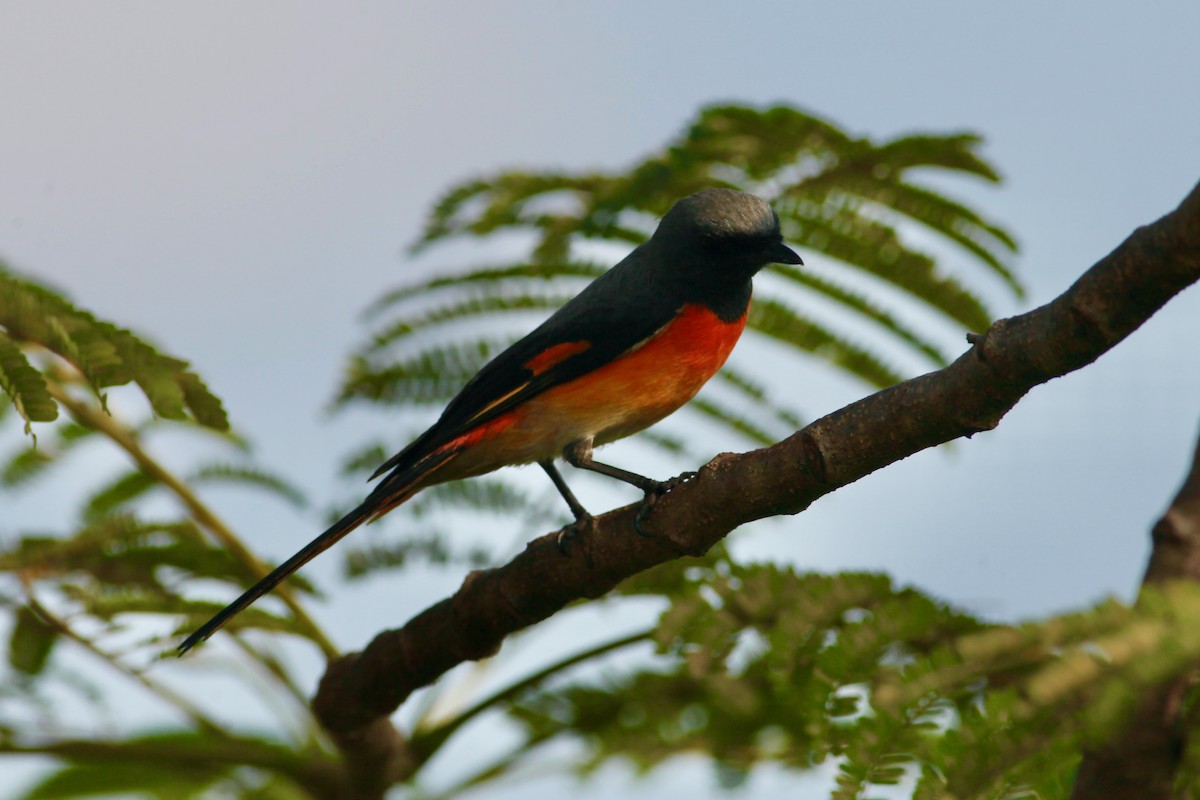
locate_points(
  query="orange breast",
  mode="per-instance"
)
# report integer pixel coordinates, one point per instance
(657, 378)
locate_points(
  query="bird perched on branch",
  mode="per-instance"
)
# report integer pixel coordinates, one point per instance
(631, 348)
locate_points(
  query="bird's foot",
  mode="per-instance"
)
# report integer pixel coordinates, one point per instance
(582, 524)
(652, 494)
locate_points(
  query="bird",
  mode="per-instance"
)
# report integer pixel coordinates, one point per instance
(635, 345)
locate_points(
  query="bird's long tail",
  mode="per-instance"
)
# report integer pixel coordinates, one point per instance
(394, 490)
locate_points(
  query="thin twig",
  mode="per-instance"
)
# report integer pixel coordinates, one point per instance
(274, 669)
(425, 743)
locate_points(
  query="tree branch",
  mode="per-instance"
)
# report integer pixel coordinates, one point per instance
(1142, 761)
(1105, 305)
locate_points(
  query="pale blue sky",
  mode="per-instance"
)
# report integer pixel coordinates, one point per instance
(239, 180)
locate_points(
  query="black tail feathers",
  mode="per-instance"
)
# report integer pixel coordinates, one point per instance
(402, 484)
(314, 548)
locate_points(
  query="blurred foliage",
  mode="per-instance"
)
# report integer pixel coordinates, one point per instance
(116, 586)
(747, 663)
(33, 319)
(766, 665)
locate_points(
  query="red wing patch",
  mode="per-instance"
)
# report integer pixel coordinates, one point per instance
(555, 355)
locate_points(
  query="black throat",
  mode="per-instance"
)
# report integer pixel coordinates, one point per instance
(728, 299)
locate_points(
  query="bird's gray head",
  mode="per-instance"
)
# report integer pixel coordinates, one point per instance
(721, 213)
(726, 229)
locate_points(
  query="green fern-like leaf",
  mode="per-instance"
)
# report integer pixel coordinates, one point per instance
(846, 235)
(366, 459)
(24, 385)
(433, 375)
(107, 355)
(470, 308)
(665, 442)
(31, 642)
(113, 777)
(205, 406)
(51, 554)
(867, 308)
(432, 549)
(118, 494)
(743, 385)
(763, 664)
(488, 276)
(249, 476)
(481, 494)
(738, 422)
(775, 319)
(25, 465)
(120, 550)
(171, 766)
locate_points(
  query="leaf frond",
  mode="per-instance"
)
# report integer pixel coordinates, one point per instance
(24, 385)
(117, 494)
(243, 475)
(107, 355)
(778, 321)
(865, 307)
(487, 276)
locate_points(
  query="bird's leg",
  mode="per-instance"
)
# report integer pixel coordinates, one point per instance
(577, 508)
(579, 454)
(582, 517)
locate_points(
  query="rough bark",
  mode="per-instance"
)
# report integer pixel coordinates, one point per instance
(1141, 762)
(1120, 292)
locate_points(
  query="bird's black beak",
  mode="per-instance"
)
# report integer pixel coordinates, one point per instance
(780, 253)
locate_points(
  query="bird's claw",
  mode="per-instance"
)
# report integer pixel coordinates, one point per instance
(651, 498)
(573, 531)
